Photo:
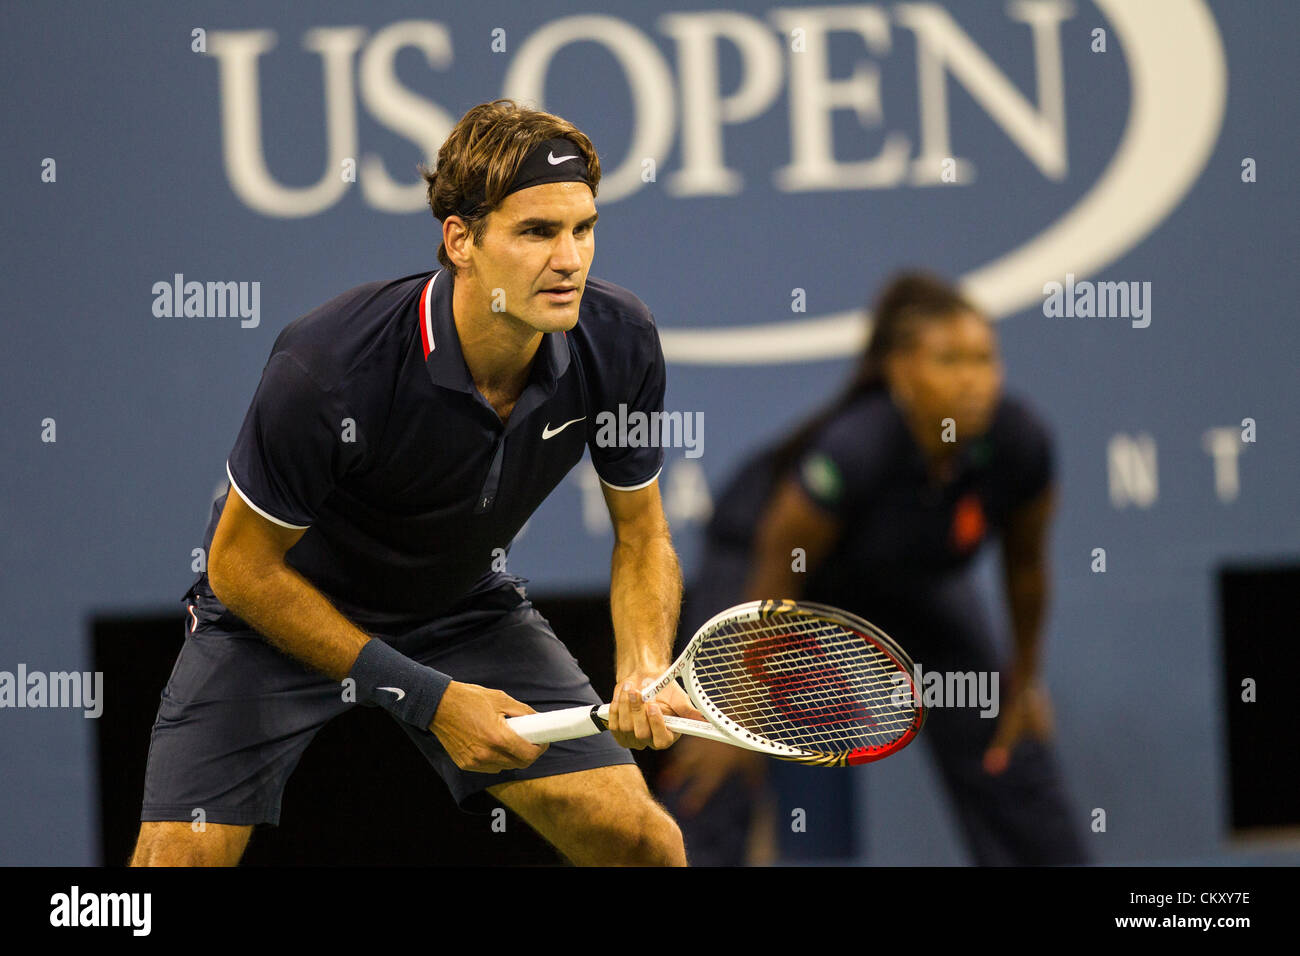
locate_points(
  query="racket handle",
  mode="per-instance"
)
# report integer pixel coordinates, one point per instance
(574, 722)
(567, 724)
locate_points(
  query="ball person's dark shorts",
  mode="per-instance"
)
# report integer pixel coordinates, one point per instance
(237, 714)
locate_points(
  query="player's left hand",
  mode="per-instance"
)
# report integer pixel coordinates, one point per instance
(636, 723)
(1028, 714)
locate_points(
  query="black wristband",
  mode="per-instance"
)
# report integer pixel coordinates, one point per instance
(407, 689)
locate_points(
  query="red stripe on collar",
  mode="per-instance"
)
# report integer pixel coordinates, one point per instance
(426, 331)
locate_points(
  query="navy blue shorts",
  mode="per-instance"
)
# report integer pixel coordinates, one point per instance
(237, 714)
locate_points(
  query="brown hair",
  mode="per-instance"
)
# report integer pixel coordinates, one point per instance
(484, 153)
(909, 299)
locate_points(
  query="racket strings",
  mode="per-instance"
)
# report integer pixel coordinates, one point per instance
(806, 682)
(796, 723)
(808, 685)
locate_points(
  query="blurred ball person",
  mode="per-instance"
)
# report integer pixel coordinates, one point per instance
(879, 504)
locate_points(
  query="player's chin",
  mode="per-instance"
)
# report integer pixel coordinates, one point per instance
(555, 316)
(973, 420)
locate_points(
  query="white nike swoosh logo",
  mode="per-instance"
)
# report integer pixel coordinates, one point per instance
(556, 160)
(396, 690)
(549, 432)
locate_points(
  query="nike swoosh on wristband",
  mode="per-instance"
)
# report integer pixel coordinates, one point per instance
(549, 432)
(396, 690)
(556, 160)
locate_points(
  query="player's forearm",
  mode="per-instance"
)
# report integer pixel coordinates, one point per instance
(772, 572)
(645, 600)
(283, 606)
(293, 615)
(1026, 589)
(791, 540)
(773, 576)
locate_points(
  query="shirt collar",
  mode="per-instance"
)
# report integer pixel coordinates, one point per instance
(444, 359)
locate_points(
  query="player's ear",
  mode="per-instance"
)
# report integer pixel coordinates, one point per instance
(458, 240)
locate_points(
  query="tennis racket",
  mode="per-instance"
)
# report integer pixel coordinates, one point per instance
(795, 680)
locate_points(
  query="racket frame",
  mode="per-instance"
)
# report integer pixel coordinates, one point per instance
(573, 722)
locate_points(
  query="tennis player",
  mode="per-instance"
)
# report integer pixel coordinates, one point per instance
(401, 435)
(878, 504)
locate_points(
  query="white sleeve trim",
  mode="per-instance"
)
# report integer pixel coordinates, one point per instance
(646, 483)
(248, 501)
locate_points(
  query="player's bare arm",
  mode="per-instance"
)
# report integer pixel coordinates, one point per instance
(1024, 564)
(645, 598)
(791, 520)
(1026, 710)
(248, 573)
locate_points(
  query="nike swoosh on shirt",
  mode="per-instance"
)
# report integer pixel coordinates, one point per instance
(396, 690)
(556, 160)
(549, 432)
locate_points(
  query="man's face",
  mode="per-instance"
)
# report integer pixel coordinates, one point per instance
(952, 371)
(538, 240)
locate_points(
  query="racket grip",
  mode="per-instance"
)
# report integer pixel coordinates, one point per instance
(574, 722)
(567, 724)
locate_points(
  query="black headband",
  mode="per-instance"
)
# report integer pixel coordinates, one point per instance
(551, 161)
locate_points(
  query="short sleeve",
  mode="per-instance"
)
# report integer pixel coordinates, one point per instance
(292, 446)
(835, 468)
(1030, 454)
(626, 444)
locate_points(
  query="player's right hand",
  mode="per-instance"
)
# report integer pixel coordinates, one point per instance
(471, 726)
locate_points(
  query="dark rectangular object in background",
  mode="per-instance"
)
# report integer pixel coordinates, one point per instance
(1258, 616)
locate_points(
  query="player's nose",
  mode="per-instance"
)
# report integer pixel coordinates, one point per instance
(565, 256)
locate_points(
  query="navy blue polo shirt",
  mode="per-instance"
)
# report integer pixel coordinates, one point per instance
(898, 523)
(368, 431)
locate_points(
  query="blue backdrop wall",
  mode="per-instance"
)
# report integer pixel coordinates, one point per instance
(766, 167)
